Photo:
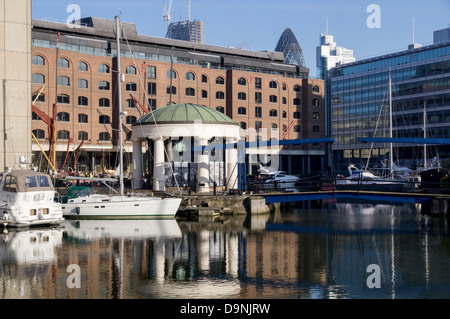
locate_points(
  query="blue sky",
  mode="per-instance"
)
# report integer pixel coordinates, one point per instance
(257, 25)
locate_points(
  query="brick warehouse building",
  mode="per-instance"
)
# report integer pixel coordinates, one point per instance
(256, 89)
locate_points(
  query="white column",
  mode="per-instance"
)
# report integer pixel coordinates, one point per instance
(231, 160)
(137, 164)
(203, 168)
(158, 165)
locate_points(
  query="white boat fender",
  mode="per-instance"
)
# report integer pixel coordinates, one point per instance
(5, 215)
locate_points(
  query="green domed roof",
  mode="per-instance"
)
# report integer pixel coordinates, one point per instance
(184, 113)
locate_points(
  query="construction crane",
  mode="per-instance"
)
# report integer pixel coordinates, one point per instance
(166, 13)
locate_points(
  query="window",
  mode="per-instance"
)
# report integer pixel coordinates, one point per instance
(258, 125)
(258, 111)
(38, 78)
(220, 80)
(204, 79)
(243, 125)
(131, 86)
(130, 103)
(104, 136)
(40, 98)
(35, 117)
(82, 118)
(130, 70)
(297, 88)
(296, 128)
(204, 94)
(82, 66)
(63, 117)
(130, 119)
(104, 68)
(104, 119)
(63, 98)
(82, 101)
(284, 100)
(273, 85)
(258, 83)
(273, 99)
(63, 63)
(151, 88)
(284, 114)
(39, 134)
(220, 109)
(273, 126)
(190, 76)
(316, 89)
(63, 135)
(258, 97)
(151, 104)
(37, 60)
(82, 135)
(171, 72)
(10, 184)
(104, 102)
(242, 81)
(103, 85)
(174, 90)
(297, 101)
(284, 87)
(284, 128)
(296, 115)
(151, 72)
(82, 84)
(315, 116)
(316, 102)
(190, 92)
(316, 129)
(220, 95)
(242, 111)
(242, 96)
(273, 113)
(63, 81)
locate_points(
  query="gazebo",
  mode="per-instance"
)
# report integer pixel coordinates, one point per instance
(174, 130)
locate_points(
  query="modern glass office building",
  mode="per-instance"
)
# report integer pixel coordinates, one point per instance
(358, 96)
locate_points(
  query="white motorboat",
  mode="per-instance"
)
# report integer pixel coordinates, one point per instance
(274, 179)
(27, 199)
(366, 180)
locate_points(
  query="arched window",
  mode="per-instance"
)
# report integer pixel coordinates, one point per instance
(242, 111)
(220, 80)
(316, 102)
(63, 117)
(296, 115)
(284, 87)
(104, 68)
(63, 99)
(103, 85)
(273, 85)
(220, 95)
(82, 66)
(296, 128)
(63, 135)
(104, 137)
(242, 81)
(130, 70)
(130, 103)
(174, 90)
(273, 99)
(130, 119)
(316, 89)
(38, 78)
(273, 113)
(40, 98)
(297, 88)
(296, 101)
(82, 101)
(204, 79)
(82, 135)
(37, 60)
(104, 102)
(82, 84)
(104, 119)
(169, 72)
(242, 96)
(190, 76)
(63, 81)
(82, 118)
(243, 125)
(35, 117)
(190, 92)
(63, 63)
(131, 86)
(273, 126)
(284, 114)
(204, 94)
(39, 134)
(220, 109)
(316, 116)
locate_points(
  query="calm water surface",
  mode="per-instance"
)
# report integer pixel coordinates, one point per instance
(313, 250)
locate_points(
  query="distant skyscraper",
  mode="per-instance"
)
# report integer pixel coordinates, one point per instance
(441, 36)
(186, 30)
(288, 44)
(328, 55)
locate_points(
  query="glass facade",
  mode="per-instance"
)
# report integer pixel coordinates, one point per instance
(288, 44)
(359, 101)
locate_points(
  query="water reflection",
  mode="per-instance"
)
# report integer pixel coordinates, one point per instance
(311, 250)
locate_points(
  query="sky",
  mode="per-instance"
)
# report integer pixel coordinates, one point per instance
(257, 25)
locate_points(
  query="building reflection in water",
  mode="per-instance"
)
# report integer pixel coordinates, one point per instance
(310, 251)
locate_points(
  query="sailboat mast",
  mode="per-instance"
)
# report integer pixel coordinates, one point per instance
(119, 98)
(424, 135)
(391, 155)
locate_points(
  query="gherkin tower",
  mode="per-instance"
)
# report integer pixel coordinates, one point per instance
(288, 44)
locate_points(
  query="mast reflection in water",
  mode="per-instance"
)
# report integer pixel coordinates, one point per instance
(315, 250)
